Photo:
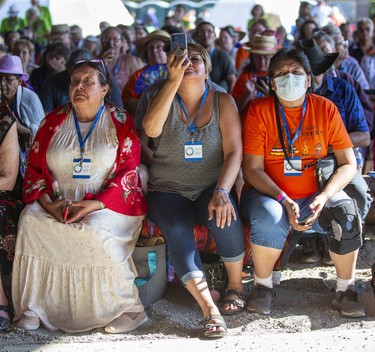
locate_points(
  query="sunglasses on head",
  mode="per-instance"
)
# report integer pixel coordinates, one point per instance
(99, 65)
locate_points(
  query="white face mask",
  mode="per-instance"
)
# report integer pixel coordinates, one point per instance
(290, 87)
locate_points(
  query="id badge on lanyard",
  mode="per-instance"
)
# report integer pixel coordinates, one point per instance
(296, 162)
(193, 151)
(81, 167)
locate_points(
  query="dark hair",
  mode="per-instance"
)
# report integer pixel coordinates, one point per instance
(118, 30)
(204, 23)
(256, 7)
(171, 29)
(56, 49)
(79, 54)
(284, 55)
(302, 28)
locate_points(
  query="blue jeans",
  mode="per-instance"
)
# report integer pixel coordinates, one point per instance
(269, 219)
(176, 215)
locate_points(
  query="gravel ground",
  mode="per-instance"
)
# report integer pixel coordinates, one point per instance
(302, 319)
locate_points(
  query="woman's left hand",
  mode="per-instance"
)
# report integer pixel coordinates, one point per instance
(223, 207)
(263, 87)
(80, 209)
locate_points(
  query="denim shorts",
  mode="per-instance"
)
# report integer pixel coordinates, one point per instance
(269, 219)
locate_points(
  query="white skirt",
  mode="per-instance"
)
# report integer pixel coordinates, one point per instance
(75, 277)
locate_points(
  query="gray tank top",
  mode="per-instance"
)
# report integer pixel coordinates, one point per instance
(170, 172)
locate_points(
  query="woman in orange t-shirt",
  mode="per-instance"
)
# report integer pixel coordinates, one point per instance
(281, 188)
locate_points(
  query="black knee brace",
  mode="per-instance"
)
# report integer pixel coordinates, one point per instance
(344, 226)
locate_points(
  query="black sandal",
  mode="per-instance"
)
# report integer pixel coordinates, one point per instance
(239, 303)
(5, 322)
(214, 333)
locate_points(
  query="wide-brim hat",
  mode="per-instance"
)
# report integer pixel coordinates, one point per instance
(13, 10)
(319, 61)
(234, 32)
(155, 35)
(12, 65)
(264, 45)
(57, 30)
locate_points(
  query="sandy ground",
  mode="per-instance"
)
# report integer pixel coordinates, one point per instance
(302, 319)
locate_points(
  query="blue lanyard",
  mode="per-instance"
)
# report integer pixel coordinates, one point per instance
(259, 94)
(296, 135)
(81, 140)
(192, 123)
(212, 52)
(115, 71)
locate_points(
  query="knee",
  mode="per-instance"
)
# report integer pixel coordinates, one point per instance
(343, 223)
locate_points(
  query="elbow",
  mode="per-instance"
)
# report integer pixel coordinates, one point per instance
(150, 131)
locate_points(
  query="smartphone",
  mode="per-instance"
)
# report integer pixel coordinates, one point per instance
(308, 217)
(262, 79)
(178, 44)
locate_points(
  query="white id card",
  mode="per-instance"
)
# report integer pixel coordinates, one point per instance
(193, 151)
(81, 167)
(289, 170)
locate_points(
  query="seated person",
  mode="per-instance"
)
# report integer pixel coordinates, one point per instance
(151, 49)
(284, 135)
(10, 203)
(84, 212)
(196, 134)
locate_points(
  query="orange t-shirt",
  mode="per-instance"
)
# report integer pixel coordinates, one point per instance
(242, 54)
(240, 88)
(322, 126)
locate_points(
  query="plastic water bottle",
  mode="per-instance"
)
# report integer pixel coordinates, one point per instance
(359, 159)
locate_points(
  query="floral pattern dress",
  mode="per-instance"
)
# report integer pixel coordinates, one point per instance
(76, 277)
(11, 206)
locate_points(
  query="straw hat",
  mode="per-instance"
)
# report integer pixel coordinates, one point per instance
(12, 65)
(58, 30)
(264, 45)
(319, 61)
(155, 35)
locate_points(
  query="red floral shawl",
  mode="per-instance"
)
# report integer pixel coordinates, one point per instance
(121, 190)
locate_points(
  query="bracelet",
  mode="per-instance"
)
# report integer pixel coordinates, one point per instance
(281, 198)
(102, 206)
(222, 190)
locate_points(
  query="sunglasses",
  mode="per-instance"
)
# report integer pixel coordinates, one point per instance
(97, 63)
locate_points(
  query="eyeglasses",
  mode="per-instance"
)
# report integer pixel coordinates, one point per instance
(195, 59)
(7, 79)
(114, 40)
(97, 62)
(363, 29)
(157, 47)
(344, 43)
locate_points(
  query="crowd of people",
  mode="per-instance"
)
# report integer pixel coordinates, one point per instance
(99, 132)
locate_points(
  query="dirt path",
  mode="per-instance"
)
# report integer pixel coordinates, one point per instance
(302, 306)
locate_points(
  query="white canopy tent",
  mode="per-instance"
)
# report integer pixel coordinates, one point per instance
(85, 13)
(89, 13)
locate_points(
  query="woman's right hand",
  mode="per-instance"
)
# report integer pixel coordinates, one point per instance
(55, 208)
(177, 66)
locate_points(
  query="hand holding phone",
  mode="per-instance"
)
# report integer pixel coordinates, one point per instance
(307, 218)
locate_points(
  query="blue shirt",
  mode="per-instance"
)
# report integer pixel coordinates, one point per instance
(344, 96)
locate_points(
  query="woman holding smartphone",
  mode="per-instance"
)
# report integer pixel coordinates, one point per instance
(196, 134)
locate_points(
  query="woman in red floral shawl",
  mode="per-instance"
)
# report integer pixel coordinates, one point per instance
(73, 269)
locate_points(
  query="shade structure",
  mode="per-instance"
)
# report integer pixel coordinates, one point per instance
(89, 13)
